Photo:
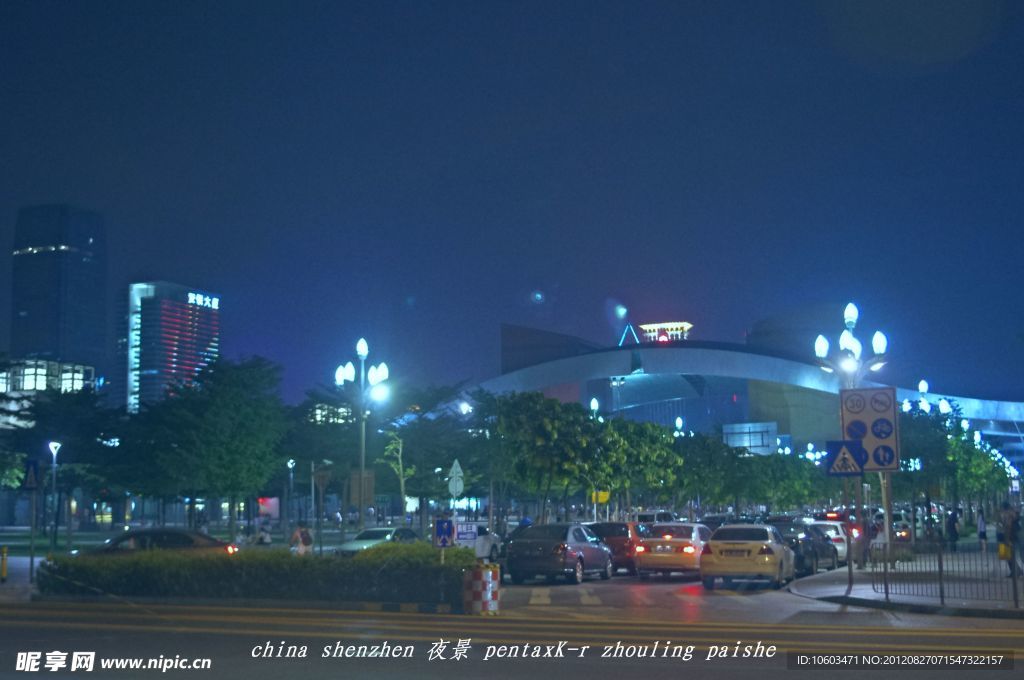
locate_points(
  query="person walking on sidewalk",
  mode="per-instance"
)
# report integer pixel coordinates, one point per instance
(952, 529)
(1009, 526)
(982, 535)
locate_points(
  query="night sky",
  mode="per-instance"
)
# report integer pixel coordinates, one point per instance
(412, 172)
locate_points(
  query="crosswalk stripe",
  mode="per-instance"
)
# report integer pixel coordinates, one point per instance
(588, 598)
(540, 596)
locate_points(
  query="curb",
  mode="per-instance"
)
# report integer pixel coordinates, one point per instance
(387, 607)
(911, 608)
(972, 612)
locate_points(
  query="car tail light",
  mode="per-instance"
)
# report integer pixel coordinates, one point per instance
(832, 515)
(640, 549)
(766, 550)
(856, 533)
(688, 549)
(667, 537)
(706, 550)
(232, 549)
(838, 539)
(560, 549)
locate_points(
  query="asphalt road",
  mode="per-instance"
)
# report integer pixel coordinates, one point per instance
(623, 618)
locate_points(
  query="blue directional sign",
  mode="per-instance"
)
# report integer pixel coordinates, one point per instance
(883, 456)
(444, 533)
(845, 458)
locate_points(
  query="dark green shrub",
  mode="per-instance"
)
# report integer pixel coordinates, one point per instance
(389, 573)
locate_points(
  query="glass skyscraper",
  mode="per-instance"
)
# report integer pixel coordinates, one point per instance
(59, 302)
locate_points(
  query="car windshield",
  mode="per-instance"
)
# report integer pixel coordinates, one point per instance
(373, 534)
(549, 531)
(791, 530)
(740, 534)
(610, 530)
(673, 530)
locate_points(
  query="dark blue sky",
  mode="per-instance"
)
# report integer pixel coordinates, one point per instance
(411, 172)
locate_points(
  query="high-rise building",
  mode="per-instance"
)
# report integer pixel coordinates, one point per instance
(173, 334)
(59, 302)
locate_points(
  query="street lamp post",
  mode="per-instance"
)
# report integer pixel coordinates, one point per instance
(54, 448)
(377, 392)
(288, 501)
(851, 365)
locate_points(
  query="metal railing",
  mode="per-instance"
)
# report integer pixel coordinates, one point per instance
(933, 569)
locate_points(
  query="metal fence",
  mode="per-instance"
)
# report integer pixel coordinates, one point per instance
(931, 569)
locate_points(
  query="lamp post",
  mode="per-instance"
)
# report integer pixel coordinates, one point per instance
(850, 364)
(54, 448)
(377, 392)
(288, 501)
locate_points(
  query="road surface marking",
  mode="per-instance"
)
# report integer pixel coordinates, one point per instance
(540, 596)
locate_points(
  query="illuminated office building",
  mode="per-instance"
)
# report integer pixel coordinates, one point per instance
(58, 301)
(173, 334)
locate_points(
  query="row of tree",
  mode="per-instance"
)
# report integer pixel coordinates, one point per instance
(229, 436)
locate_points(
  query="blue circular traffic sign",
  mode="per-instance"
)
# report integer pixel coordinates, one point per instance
(882, 428)
(857, 429)
(883, 456)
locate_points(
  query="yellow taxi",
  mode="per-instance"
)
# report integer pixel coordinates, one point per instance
(744, 552)
(671, 547)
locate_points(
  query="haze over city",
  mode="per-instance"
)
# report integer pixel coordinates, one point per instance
(417, 174)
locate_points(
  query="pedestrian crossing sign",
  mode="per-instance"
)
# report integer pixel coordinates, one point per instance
(846, 458)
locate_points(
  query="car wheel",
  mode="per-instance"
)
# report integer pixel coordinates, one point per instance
(516, 577)
(644, 575)
(632, 570)
(727, 583)
(778, 580)
(814, 565)
(608, 571)
(709, 582)
(835, 559)
(577, 573)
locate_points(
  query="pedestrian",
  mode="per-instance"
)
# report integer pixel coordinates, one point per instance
(1006, 534)
(264, 537)
(952, 529)
(982, 535)
(302, 540)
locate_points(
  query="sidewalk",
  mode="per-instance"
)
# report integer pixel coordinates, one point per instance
(17, 588)
(833, 586)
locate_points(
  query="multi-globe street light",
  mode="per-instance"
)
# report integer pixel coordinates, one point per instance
(849, 361)
(851, 365)
(375, 376)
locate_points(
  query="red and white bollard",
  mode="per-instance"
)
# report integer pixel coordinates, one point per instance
(481, 590)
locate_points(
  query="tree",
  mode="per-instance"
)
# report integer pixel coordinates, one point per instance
(393, 459)
(229, 423)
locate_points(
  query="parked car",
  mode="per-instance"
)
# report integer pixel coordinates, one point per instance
(487, 545)
(177, 540)
(811, 547)
(552, 550)
(836, 532)
(716, 520)
(652, 516)
(746, 551)
(671, 547)
(367, 538)
(623, 538)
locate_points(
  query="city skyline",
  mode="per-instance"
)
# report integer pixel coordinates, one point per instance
(417, 176)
